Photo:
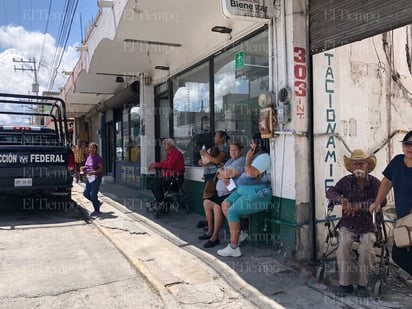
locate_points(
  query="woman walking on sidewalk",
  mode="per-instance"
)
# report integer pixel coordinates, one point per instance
(93, 169)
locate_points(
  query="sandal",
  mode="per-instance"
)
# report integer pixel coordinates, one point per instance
(201, 223)
(205, 236)
(211, 243)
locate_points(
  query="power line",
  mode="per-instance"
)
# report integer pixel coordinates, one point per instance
(32, 68)
(45, 32)
(63, 37)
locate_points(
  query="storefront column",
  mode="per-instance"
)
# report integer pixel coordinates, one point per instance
(147, 129)
(103, 142)
(290, 151)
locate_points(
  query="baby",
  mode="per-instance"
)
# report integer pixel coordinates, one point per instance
(210, 168)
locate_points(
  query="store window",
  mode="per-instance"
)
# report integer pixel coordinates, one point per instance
(233, 106)
(127, 134)
(119, 144)
(238, 86)
(191, 109)
(118, 133)
(133, 145)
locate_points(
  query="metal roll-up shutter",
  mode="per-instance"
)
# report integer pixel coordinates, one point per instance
(335, 23)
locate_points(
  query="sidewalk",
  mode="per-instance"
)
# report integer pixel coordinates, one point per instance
(168, 253)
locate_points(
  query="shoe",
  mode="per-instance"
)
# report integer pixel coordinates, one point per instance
(211, 243)
(204, 236)
(95, 213)
(362, 291)
(243, 236)
(201, 223)
(343, 290)
(100, 203)
(229, 251)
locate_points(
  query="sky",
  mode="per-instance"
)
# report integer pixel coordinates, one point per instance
(35, 30)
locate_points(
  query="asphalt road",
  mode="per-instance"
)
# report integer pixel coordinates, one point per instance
(52, 258)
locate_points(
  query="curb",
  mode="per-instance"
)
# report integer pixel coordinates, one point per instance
(231, 278)
(151, 280)
(225, 271)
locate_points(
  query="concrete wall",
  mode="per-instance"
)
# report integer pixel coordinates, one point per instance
(290, 148)
(361, 99)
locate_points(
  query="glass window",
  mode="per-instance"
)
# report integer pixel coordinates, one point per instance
(133, 148)
(237, 89)
(119, 144)
(191, 109)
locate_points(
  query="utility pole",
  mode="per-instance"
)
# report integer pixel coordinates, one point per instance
(32, 68)
(29, 65)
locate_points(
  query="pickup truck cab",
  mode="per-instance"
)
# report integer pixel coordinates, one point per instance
(35, 160)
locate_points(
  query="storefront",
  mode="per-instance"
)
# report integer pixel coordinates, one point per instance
(116, 127)
(217, 93)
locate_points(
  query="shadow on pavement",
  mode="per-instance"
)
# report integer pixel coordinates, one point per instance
(274, 272)
(17, 212)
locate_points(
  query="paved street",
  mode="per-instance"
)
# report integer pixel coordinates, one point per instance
(55, 259)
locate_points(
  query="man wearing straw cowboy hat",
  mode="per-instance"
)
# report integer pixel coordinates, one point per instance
(355, 192)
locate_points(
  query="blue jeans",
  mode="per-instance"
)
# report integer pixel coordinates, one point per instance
(91, 191)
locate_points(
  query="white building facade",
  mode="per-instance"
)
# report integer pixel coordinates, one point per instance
(152, 69)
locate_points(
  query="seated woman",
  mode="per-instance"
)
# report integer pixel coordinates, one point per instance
(211, 159)
(227, 176)
(253, 193)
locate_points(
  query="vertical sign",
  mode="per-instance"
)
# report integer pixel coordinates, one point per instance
(239, 60)
(240, 64)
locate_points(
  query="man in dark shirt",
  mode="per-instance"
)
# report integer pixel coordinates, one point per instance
(171, 167)
(355, 192)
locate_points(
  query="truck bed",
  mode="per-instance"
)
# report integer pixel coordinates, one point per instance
(35, 160)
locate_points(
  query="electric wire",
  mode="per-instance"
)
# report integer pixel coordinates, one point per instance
(63, 37)
(62, 28)
(393, 73)
(44, 37)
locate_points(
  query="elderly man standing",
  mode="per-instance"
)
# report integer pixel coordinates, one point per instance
(171, 167)
(355, 192)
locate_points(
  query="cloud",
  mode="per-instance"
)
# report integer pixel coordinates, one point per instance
(19, 44)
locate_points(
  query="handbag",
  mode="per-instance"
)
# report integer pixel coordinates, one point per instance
(210, 188)
(402, 232)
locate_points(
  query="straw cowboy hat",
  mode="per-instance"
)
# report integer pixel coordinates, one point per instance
(360, 155)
